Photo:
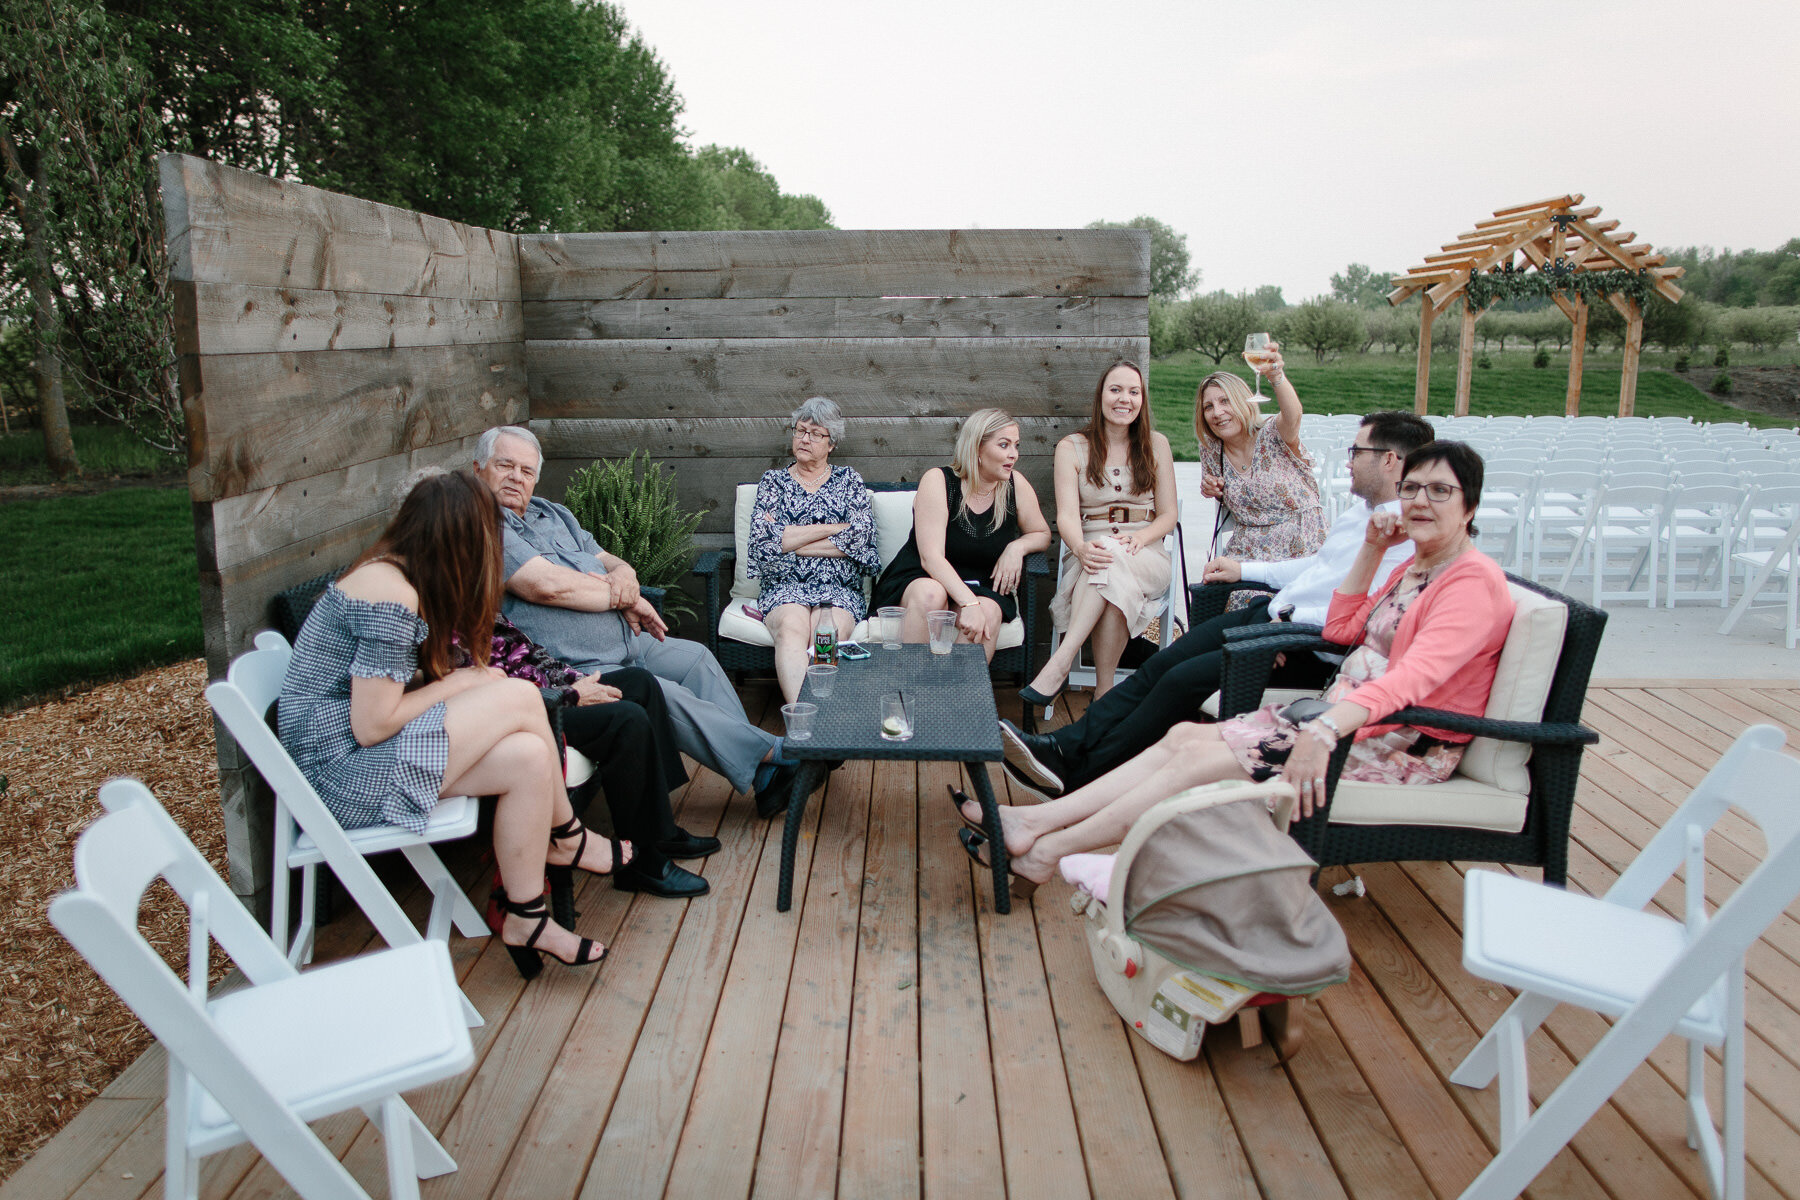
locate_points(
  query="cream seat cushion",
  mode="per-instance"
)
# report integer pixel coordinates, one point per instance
(893, 525)
(1491, 785)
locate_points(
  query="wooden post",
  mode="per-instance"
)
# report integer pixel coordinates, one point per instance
(1465, 358)
(1577, 349)
(1633, 312)
(1422, 387)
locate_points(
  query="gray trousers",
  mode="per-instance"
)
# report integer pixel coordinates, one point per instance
(709, 719)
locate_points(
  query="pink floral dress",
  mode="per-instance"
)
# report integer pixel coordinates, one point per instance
(1276, 503)
(1261, 741)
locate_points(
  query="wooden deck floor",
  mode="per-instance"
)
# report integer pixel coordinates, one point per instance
(892, 1037)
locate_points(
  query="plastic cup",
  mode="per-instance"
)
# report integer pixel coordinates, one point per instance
(942, 623)
(821, 679)
(799, 719)
(892, 621)
(896, 717)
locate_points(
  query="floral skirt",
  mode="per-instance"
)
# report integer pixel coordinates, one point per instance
(1261, 742)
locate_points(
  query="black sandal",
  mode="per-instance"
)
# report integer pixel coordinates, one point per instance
(529, 957)
(972, 842)
(562, 878)
(959, 798)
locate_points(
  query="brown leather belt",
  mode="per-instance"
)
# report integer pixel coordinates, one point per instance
(1120, 514)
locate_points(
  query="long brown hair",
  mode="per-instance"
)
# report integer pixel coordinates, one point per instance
(446, 541)
(1139, 440)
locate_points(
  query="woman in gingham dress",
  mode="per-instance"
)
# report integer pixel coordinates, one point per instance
(382, 725)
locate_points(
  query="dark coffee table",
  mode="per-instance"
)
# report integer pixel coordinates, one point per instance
(954, 720)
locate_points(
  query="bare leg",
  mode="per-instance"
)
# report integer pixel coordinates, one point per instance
(922, 596)
(1086, 606)
(1100, 814)
(1108, 644)
(514, 760)
(791, 625)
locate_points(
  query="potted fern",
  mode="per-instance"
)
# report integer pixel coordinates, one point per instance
(629, 505)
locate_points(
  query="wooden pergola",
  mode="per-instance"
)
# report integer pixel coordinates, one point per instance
(1555, 236)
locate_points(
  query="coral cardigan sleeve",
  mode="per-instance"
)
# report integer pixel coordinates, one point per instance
(1347, 614)
(1463, 620)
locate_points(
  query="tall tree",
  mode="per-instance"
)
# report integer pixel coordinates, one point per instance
(741, 195)
(79, 118)
(1218, 324)
(1171, 276)
(1325, 327)
(1361, 287)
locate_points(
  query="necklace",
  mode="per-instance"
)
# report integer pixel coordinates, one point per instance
(807, 477)
(1427, 569)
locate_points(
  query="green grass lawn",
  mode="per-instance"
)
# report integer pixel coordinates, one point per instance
(1365, 382)
(95, 587)
(104, 451)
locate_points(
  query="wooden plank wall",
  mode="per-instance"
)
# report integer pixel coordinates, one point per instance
(329, 346)
(697, 346)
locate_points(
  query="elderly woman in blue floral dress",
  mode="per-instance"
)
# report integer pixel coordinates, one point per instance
(812, 536)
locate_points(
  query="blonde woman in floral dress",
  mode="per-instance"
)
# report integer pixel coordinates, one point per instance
(1257, 468)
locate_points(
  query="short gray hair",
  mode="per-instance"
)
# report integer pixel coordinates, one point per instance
(823, 413)
(484, 449)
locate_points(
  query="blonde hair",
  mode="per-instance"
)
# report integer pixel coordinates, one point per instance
(1237, 394)
(977, 428)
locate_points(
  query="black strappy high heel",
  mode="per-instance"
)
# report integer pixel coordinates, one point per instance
(529, 957)
(562, 878)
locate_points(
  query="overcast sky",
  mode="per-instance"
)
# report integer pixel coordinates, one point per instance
(1284, 139)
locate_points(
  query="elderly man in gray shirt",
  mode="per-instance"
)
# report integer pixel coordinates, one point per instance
(583, 605)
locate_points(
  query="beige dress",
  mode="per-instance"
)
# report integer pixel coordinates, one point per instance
(1135, 584)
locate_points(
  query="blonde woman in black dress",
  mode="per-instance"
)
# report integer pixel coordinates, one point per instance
(973, 524)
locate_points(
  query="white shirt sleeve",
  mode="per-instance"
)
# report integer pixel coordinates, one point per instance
(1309, 591)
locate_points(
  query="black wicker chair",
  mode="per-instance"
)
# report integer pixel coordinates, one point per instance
(714, 567)
(1555, 766)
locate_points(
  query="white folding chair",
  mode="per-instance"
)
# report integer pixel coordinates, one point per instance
(1622, 519)
(1505, 507)
(306, 834)
(1559, 506)
(1652, 974)
(1082, 675)
(258, 1063)
(1703, 523)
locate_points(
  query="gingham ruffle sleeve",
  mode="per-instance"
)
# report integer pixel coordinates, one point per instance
(387, 636)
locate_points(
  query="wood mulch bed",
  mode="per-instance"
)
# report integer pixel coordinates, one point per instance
(63, 1034)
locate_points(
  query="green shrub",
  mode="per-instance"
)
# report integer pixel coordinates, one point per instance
(1721, 384)
(1541, 358)
(1722, 358)
(1485, 363)
(631, 509)
(1681, 363)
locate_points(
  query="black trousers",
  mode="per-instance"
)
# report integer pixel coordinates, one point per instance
(635, 760)
(1167, 689)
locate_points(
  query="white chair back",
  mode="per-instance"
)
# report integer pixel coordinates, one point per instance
(306, 832)
(258, 1064)
(1653, 974)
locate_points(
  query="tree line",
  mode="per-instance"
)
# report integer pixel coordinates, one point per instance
(1356, 317)
(520, 115)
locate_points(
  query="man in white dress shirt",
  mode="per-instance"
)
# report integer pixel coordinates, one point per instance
(1172, 684)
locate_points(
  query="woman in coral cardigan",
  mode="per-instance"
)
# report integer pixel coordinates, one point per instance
(1431, 636)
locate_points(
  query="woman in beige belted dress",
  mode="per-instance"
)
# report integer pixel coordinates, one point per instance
(1115, 501)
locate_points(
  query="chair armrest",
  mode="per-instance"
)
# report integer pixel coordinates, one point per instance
(1208, 600)
(655, 596)
(1038, 563)
(714, 566)
(1247, 664)
(713, 562)
(1538, 733)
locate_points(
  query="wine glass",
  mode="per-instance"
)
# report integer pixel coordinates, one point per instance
(1256, 353)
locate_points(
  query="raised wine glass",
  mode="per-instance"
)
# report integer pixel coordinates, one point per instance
(1256, 353)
